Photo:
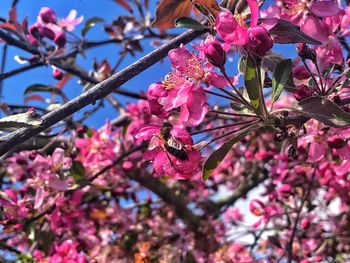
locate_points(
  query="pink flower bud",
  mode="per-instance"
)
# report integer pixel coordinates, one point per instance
(156, 92)
(47, 15)
(39, 31)
(214, 52)
(285, 190)
(305, 52)
(57, 74)
(259, 40)
(303, 92)
(60, 39)
(305, 223)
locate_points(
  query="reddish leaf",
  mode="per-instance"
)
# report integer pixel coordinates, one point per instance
(66, 77)
(168, 11)
(13, 16)
(34, 97)
(211, 5)
(8, 26)
(24, 25)
(124, 4)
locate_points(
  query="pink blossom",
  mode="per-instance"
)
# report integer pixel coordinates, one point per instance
(67, 252)
(214, 51)
(230, 30)
(70, 21)
(234, 32)
(165, 163)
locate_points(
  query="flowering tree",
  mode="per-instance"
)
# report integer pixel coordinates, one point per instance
(162, 181)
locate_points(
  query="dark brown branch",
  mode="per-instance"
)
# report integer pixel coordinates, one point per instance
(10, 40)
(169, 197)
(97, 92)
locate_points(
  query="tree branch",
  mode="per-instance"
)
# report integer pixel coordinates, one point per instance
(97, 92)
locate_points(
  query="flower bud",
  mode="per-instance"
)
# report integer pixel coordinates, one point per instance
(305, 223)
(47, 15)
(214, 52)
(303, 92)
(285, 190)
(259, 40)
(60, 39)
(57, 74)
(305, 52)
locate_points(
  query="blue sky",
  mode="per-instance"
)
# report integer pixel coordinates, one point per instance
(107, 9)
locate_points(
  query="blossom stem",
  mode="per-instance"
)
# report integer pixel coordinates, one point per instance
(243, 100)
(312, 75)
(220, 127)
(221, 95)
(234, 114)
(319, 75)
(231, 132)
(233, 96)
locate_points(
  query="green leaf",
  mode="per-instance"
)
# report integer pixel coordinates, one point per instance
(325, 111)
(217, 156)
(90, 23)
(252, 84)
(280, 76)
(242, 65)
(28, 119)
(77, 171)
(45, 88)
(188, 22)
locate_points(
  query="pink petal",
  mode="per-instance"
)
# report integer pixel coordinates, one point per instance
(254, 12)
(315, 28)
(325, 8)
(180, 58)
(316, 152)
(39, 197)
(197, 106)
(146, 132)
(229, 29)
(219, 81)
(57, 184)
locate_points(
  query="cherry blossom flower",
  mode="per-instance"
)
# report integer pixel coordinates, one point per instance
(165, 163)
(233, 31)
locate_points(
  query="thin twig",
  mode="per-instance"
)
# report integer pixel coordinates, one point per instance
(306, 196)
(3, 64)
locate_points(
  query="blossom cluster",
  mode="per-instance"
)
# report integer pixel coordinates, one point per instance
(212, 135)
